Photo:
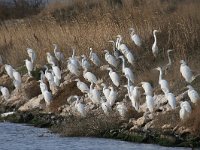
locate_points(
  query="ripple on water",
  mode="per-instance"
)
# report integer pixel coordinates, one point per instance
(23, 137)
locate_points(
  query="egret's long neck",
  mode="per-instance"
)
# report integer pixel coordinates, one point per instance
(73, 54)
(91, 87)
(170, 61)
(55, 48)
(160, 76)
(155, 39)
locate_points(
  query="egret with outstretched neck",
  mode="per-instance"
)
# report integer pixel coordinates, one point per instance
(154, 46)
(58, 54)
(127, 71)
(163, 83)
(29, 66)
(168, 66)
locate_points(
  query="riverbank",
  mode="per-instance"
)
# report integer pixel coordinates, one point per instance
(58, 124)
(163, 127)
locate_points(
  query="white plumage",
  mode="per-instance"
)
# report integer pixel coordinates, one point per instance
(193, 94)
(5, 92)
(82, 86)
(150, 102)
(29, 66)
(114, 77)
(135, 38)
(171, 99)
(147, 88)
(154, 46)
(94, 58)
(186, 72)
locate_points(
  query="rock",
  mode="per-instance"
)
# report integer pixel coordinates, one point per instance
(134, 128)
(65, 110)
(184, 131)
(181, 96)
(6, 81)
(167, 127)
(31, 89)
(160, 100)
(36, 102)
(141, 121)
(148, 126)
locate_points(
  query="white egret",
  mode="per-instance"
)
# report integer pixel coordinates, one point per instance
(94, 95)
(89, 76)
(114, 77)
(168, 66)
(135, 37)
(43, 86)
(85, 63)
(112, 96)
(121, 47)
(5, 92)
(80, 107)
(50, 59)
(29, 66)
(106, 90)
(163, 83)
(73, 68)
(116, 52)
(193, 94)
(150, 102)
(48, 74)
(74, 60)
(55, 79)
(47, 97)
(171, 99)
(154, 46)
(122, 109)
(185, 110)
(82, 86)
(17, 76)
(56, 71)
(147, 88)
(94, 57)
(127, 71)
(105, 107)
(186, 72)
(17, 84)
(58, 54)
(129, 56)
(31, 54)
(110, 59)
(9, 70)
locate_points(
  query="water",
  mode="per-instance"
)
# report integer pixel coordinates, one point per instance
(17, 136)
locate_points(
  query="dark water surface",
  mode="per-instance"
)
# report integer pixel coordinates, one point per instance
(23, 137)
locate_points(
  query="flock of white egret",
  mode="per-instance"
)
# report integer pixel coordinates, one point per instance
(98, 92)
